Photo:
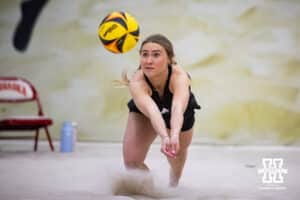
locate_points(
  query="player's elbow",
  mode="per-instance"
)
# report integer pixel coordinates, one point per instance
(177, 109)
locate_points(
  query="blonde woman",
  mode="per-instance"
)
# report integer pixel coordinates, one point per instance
(162, 105)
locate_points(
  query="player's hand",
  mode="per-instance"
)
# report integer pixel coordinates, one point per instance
(174, 144)
(166, 147)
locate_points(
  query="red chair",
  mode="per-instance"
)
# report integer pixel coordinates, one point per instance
(19, 90)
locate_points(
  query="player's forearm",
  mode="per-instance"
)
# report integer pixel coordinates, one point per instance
(158, 123)
(176, 120)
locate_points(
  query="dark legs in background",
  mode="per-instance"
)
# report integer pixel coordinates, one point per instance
(30, 10)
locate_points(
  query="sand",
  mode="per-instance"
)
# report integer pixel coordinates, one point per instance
(95, 171)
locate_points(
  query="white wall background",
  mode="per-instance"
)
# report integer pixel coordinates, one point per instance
(243, 56)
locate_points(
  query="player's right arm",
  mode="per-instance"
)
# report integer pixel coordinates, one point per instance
(141, 95)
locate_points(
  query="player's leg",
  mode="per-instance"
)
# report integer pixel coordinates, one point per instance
(139, 135)
(30, 11)
(177, 164)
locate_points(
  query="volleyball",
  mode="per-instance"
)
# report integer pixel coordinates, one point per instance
(119, 32)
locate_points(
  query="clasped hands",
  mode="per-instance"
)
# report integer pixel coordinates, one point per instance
(170, 145)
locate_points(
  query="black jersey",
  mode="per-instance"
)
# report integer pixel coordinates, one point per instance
(164, 104)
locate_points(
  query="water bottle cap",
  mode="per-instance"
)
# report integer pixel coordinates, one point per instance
(74, 124)
(67, 124)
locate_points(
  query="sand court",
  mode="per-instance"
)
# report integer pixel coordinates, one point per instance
(95, 171)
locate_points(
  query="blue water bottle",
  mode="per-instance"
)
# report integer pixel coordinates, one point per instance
(67, 137)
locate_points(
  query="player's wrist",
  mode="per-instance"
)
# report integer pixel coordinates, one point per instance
(164, 137)
(174, 134)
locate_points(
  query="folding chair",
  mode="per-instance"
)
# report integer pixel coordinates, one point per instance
(20, 90)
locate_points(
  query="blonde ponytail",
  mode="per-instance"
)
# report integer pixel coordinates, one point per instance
(124, 82)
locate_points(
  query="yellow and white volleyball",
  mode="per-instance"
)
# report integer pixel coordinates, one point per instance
(119, 32)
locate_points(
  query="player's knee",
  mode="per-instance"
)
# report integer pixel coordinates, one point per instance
(183, 148)
(131, 164)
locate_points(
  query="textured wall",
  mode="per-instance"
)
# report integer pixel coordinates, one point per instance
(243, 57)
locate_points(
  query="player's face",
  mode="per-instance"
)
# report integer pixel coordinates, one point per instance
(153, 58)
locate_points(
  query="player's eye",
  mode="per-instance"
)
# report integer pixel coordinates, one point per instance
(145, 54)
(155, 55)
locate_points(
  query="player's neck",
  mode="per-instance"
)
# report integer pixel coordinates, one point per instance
(159, 81)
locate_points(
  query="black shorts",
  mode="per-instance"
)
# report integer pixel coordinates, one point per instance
(189, 114)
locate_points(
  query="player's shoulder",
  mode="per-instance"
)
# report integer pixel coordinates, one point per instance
(137, 79)
(178, 71)
(138, 84)
(137, 76)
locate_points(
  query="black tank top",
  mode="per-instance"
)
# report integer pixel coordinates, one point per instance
(165, 101)
(164, 104)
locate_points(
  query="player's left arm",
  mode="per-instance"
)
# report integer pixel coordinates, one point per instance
(180, 86)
